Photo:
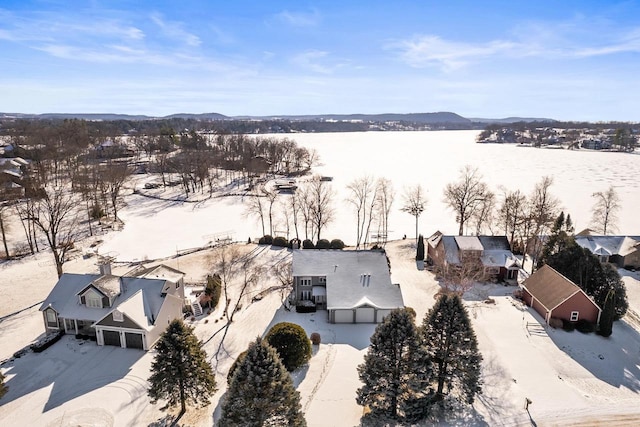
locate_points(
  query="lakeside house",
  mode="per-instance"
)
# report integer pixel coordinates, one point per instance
(353, 286)
(124, 311)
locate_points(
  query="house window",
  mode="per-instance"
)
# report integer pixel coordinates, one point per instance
(305, 281)
(319, 299)
(93, 301)
(574, 316)
(117, 316)
(51, 316)
(305, 295)
(322, 280)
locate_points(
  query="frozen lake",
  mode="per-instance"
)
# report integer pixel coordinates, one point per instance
(433, 159)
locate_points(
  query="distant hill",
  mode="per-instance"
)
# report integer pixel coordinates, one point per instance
(441, 117)
(512, 120)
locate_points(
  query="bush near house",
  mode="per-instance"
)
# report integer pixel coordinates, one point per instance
(265, 240)
(308, 244)
(47, 342)
(337, 244)
(323, 244)
(585, 326)
(291, 343)
(568, 326)
(280, 242)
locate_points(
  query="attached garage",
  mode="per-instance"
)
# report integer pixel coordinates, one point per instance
(134, 340)
(342, 316)
(111, 338)
(365, 315)
(381, 314)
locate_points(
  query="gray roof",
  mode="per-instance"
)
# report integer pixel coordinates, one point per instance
(64, 298)
(108, 285)
(609, 245)
(450, 249)
(354, 278)
(468, 243)
(495, 243)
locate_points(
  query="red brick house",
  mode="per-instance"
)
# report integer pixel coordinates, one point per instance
(553, 295)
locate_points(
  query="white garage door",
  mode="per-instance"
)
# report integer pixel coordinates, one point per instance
(380, 314)
(343, 316)
(365, 315)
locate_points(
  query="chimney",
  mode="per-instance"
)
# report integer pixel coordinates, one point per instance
(105, 266)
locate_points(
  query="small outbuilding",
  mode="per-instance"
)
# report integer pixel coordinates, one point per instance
(553, 295)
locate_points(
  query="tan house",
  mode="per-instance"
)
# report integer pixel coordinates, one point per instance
(129, 311)
(622, 251)
(552, 295)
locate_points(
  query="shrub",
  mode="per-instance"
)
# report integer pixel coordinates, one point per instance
(291, 343)
(96, 212)
(212, 291)
(235, 365)
(315, 338)
(585, 326)
(337, 244)
(420, 250)
(265, 240)
(567, 325)
(304, 308)
(47, 342)
(308, 244)
(323, 244)
(280, 241)
(555, 323)
(294, 243)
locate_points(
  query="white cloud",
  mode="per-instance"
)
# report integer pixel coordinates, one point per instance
(300, 19)
(176, 31)
(316, 61)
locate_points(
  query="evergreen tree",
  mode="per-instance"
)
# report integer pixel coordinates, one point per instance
(3, 388)
(395, 371)
(595, 278)
(291, 343)
(261, 392)
(608, 313)
(449, 340)
(420, 250)
(180, 371)
(561, 236)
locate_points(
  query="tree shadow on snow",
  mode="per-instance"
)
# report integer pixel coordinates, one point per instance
(613, 360)
(73, 368)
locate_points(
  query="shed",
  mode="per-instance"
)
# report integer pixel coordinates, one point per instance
(553, 295)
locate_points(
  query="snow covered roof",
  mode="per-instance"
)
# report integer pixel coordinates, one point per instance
(551, 288)
(450, 249)
(163, 272)
(468, 243)
(499, 258)
(609, 245)
(64, 299)
(108, 285)
(494, 243)
(353, 277)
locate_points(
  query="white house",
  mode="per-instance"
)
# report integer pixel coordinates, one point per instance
(353, 286)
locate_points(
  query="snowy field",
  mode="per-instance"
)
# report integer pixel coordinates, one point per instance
(571, 378)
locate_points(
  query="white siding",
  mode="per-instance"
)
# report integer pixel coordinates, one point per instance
(343, 316)
(365, 315)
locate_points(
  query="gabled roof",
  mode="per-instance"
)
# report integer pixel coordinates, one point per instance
(468, 243)
(163, 272)
(609, 245)
(434, 239)
(500, 258)
(353, 277)
(551, 288)
(450, 250)
(108, 284)
(64, 299)
(495, 243)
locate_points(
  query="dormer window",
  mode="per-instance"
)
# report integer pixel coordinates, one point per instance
(117, 316)
(93, 300)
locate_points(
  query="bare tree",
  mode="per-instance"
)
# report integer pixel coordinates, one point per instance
(511, 214)
(255, 207)
(363, 197)
(483, 218)
(56, 215)
(414, 203)
(270, 197)
(543, 210)
(605, 210)
(385, 201)
(459, 278)
(322, 211)
(114, 176)
(4, 228)
(467, 196)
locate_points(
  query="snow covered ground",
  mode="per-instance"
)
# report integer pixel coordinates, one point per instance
(571, 378)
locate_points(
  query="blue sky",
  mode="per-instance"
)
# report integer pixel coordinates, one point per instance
(569, 60)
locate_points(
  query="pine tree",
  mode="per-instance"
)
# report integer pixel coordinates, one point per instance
(449, 340)
(261, 392)
(395, 371)
(608, 312)
(180, 371)
(3, 388)
(420, 249)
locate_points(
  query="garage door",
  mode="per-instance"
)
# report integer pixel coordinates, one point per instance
(365, 315)
(380, 315)
(111, 338)
(343, 316)
(133, 340)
